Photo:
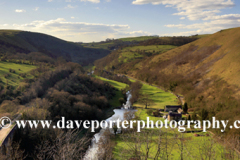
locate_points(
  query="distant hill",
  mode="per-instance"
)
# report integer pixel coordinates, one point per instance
(216, 54)
(14, 41)
(114, 44)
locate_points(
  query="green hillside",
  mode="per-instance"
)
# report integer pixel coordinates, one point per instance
(130, 53)
(216, 54)
(130, 56)
(142, 38)
(14, 41)
(13, 78)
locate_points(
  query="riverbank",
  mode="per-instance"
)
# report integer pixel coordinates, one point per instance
(194, 146)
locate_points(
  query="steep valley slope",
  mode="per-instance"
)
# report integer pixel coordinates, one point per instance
(14, 41)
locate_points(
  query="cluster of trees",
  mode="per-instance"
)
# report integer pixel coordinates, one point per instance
(9, 92)
(12, 70)
(134, 88)
(118, 44)
(63, 92)
(112, 58)
(156, 144)
(177, 41)
(60, 145)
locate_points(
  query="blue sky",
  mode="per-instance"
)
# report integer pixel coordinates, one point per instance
(96, 20)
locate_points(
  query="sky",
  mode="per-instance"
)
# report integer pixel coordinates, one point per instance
(97, 20)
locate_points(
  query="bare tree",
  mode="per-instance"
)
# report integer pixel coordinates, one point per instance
(207, 148)
(180, 143)
(146, 100)
(106, 146)
(12, 151)
(166, 145)
(67, 146)
(233, 146)
(139, 145)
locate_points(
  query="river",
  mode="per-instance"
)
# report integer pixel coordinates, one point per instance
(91, 153)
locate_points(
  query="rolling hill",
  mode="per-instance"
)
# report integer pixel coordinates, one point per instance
(14, 41)
(216, 54)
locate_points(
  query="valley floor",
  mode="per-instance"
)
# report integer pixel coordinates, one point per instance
(174, 145)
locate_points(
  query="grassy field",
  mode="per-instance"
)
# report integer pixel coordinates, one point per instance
(151, 48)
(193, 147)
(160, 97)
(142, 38)
(13, 79)
(131, 53)
(98, 45)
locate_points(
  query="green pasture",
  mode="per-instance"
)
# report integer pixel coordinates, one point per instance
(13, 79)
(131, 53)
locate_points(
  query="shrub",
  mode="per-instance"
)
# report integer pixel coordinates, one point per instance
(23, 75)
(12, 70)
(149, 112)
(6, 75)
(156, 114)
(196, 135)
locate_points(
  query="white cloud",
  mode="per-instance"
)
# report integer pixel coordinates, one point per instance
(93, 1)
(78, 31)
(226, 16)
(4, 25)
(175, 25)
(50, 0)
(72, 17)
(20, 10)
(70, 6)
(193, 9)
(108, 0)
(206, 10)
(207, 27)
